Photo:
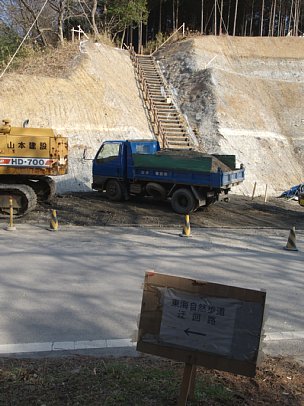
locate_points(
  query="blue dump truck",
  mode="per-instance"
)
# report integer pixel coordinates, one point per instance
(189, 179)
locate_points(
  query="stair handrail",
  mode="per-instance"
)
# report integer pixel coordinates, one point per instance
(182, 116)
(175, 32)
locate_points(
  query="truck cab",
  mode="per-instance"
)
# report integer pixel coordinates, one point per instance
(114, 159)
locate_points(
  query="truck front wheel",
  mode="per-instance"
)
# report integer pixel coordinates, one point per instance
(183, 201)
(114, 190)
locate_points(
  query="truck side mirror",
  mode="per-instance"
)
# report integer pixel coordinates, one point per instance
(84, 155)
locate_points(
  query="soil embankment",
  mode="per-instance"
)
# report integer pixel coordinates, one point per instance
(98, 100)
(242, 96)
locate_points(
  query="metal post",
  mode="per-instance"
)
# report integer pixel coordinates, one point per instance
(186, 229)
(54, 221)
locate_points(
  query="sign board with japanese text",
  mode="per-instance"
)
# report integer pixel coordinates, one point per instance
(201, 323)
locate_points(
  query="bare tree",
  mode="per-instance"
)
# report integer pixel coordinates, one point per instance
(59, 6)
(215, 17)
(34, 14)
(235, 16)
(262, 18)
(93, 19)
(160, 15)
(202, 17)
(251, 19)
(221, 16)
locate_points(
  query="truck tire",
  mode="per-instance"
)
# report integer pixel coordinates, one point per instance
(114, 190)
(183, 201)
(157, 191)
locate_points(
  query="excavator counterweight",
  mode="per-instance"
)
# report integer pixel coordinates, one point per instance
(28, 159)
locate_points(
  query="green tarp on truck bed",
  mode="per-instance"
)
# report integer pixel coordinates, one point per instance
(168, 162)
(182, 160)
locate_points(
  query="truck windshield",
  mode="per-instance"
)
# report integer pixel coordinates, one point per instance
(108, 151)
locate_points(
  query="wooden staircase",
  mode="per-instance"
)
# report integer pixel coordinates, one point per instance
(168, 124)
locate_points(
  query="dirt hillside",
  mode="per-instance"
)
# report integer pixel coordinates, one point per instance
(98, 100)
(243, 96)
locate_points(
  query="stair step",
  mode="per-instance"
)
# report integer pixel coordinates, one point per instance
(170, 128)
(155, 81)
(165, 105)
(149, 68)
(160, 97)
(157, 94)
(166, 111)
(146, 59)
(187, 147)
(168, 117)
(150, 71)
(155, 85)
(169, 121)
(178, 144)
(177, 138)
(171, 111)
(176, 135)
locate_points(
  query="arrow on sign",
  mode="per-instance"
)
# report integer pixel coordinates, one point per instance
(188, 332)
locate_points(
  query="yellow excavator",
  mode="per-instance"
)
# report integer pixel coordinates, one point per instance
(28, 157)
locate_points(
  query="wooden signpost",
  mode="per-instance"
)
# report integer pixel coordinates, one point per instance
(200, 323)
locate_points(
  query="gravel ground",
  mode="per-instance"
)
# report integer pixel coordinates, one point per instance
(93, 209)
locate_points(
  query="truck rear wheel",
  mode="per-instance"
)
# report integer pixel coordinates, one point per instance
(183, 201)
(114, 190)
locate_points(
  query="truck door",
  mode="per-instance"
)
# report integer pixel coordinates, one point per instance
(108, 162)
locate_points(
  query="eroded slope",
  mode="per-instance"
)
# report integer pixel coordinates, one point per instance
(99, 100)
(244, 96)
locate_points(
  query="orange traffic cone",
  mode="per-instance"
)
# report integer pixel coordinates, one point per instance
(291, 243)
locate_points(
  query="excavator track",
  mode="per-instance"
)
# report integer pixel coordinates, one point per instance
(44, 187)
(23, 196)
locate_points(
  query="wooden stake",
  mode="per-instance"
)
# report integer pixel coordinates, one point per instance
(265, 197)
(253, 192)
(192, 384)
(186, 384)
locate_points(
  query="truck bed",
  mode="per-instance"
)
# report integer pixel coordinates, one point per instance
(200, 171)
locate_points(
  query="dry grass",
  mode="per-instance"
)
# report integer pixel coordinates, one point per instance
(142, 381)
(51, 62)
